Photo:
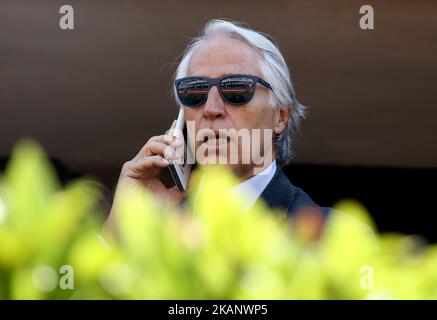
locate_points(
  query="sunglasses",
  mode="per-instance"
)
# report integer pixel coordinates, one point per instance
(237, 89)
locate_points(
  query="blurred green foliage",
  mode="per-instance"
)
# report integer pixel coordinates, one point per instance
(52, 247)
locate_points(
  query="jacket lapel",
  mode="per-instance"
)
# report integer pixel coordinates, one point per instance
(282, 194)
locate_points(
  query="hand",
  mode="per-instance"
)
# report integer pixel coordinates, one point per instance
(144, 169)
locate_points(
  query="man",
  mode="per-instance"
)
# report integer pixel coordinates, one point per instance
(231, 78)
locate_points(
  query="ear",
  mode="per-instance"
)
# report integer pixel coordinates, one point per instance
(280, 119)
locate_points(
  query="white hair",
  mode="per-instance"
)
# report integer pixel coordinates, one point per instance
(274, 70)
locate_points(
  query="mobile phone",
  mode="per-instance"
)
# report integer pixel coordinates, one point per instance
(178, 171)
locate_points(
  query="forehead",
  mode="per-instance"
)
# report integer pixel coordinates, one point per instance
(222, 55)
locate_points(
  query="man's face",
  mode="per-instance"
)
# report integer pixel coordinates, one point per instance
(218, 56)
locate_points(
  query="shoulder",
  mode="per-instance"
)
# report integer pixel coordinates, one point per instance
(281, 193)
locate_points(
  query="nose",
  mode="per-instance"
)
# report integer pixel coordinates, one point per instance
(214, 107)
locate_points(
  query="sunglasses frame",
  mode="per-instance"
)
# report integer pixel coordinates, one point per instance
(216, 82)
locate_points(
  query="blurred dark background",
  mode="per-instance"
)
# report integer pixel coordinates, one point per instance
(93, 96)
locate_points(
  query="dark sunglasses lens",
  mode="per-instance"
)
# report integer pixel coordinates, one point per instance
(237, 90)
(192, 92)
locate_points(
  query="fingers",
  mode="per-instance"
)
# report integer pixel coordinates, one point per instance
(162, 149)
(169, 137)
(170, 131)
(175, 132)
(154, 153)
(139, 167)
(173, 125)
(166, 138)
(163, 145)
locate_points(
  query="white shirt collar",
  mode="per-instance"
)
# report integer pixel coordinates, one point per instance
(252, 188)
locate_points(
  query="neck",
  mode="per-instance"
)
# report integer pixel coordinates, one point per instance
(245, 172)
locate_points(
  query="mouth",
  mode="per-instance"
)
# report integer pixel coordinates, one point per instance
(216, 140)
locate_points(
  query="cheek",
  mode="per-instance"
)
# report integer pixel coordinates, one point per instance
(262, 110)
(194, 116)
(256, 117)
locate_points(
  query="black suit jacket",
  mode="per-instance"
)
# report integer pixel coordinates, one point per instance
(280, 193)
